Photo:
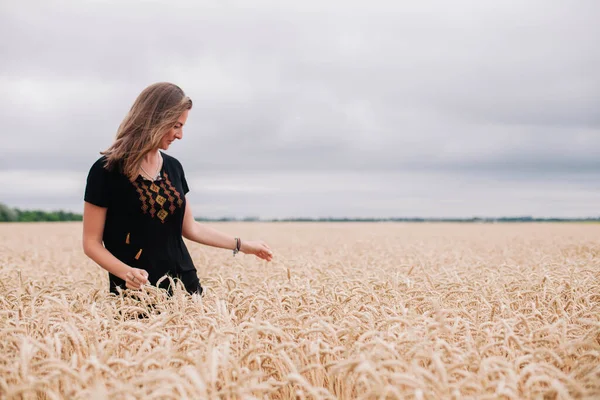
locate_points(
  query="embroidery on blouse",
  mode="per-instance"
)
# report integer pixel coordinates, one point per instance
(179, 200)
(151, 196)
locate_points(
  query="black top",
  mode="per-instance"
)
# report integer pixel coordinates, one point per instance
(144, 219)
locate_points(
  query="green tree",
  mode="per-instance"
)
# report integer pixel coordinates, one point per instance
(7, 214)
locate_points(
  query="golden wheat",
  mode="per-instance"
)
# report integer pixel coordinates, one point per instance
(373, 311)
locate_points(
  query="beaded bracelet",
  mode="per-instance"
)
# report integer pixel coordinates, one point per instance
(238, 245)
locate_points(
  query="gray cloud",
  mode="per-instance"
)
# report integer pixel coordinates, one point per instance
(462, 90)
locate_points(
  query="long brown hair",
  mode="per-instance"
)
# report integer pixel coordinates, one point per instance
(155, 111)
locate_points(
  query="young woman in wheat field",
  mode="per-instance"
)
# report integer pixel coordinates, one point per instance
(135, 209)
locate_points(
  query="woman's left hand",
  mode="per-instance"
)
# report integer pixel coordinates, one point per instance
(259, 248)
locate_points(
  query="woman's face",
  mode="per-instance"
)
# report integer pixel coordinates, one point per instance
(176, 132)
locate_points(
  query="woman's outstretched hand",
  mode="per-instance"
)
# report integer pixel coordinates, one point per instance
(259, 248)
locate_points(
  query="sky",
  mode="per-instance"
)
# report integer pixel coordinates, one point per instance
(315, 108)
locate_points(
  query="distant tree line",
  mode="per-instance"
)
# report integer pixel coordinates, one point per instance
(8, 214)
(401, 219)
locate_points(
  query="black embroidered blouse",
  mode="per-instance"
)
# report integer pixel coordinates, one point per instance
(144, 221)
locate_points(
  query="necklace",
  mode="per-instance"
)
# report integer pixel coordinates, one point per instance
(156, 175)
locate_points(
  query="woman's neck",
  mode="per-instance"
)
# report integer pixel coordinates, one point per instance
(152, 157)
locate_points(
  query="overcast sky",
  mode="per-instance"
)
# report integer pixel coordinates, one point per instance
(315, 108)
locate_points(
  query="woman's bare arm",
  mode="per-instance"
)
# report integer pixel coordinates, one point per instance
(203, 234)
(94, 218)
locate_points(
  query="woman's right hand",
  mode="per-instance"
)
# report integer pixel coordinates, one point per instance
(135, 278)
(94, 218)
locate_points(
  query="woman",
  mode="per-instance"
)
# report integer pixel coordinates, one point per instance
(135, 211)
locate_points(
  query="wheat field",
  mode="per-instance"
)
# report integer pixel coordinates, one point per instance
(349, 310)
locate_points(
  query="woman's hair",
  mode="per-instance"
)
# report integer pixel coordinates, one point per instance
(156, 110)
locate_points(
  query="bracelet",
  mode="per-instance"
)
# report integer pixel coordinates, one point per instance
(238, 246)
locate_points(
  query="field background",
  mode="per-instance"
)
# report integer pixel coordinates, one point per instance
(349, 310)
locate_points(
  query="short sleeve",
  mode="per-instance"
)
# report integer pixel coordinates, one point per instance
(98, 188)
(184, 183)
